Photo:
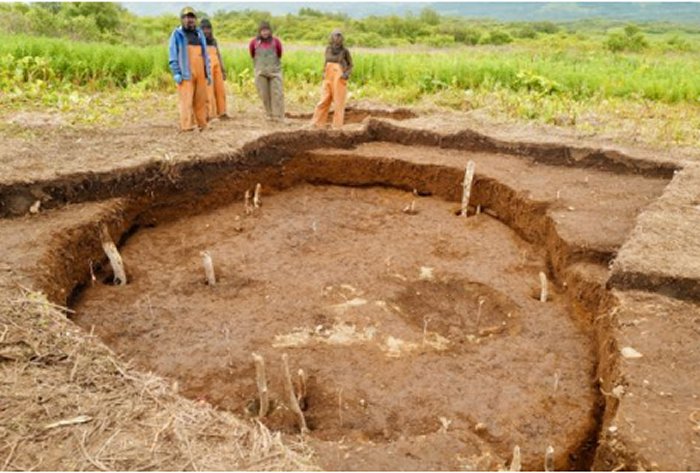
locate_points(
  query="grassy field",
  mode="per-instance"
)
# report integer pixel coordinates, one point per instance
(623, 79)
(579, 73)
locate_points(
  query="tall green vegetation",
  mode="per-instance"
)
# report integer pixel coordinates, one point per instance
(557, 73)
(109, 22)
(576, 74)
(629, 39)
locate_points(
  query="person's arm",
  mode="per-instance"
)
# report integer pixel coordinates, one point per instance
(251, 48)
(278, 47)
(348, 70)
(174, 58)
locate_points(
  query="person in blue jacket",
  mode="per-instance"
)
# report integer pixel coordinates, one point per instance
(189, 63)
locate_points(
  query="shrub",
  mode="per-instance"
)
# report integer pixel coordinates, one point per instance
(527, 32)
(677, 43)
(631, 39)
(438, 40)
(530, 81)
(496, 37)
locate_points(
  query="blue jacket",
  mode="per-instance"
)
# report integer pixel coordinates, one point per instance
(177, 52)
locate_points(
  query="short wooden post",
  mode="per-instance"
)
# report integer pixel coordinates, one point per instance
(467, 186)
(293, 401)
(208, 268)
(516, 463)
(261, 381)
(257, 202)
(115, 259)
(549, 459)
(544, 290)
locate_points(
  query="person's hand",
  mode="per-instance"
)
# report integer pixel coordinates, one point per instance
(178, 79)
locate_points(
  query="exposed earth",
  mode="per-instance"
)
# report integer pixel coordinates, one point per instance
(420, 332)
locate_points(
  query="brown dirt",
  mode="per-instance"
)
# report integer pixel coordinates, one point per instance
(343, 295)
(508, 372)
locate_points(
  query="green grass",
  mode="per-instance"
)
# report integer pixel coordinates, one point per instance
(558, 80)
(579, 74)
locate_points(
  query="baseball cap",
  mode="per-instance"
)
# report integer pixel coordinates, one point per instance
(188, 11)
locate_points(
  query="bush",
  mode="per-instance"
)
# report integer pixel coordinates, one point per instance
(429, 16)
(530, 81)
(369, 40)
(545, 27)
(631, 39)
(527, 32)
(438, 40)
(496, 37)
(677, 43)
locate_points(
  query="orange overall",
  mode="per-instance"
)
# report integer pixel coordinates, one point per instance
(334, 91)
(193, 92)
(216, 91)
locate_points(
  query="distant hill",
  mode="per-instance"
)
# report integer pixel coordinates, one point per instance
(506, 11)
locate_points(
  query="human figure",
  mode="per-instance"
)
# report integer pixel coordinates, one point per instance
(189, 64)
(337, 70)
(266, 51)
(216, 92)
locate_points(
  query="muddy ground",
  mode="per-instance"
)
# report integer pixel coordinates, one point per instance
(421, 333)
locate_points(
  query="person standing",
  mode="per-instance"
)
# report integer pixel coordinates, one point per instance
(216, 90)
(335, 83)
(189, 63)
(266, 51)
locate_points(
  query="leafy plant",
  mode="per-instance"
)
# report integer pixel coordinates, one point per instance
(630, 39)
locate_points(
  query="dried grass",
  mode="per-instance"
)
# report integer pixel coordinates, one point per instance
(68, 403)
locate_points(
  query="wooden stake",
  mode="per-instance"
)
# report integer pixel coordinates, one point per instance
(410, 208)
(34, 209)
(208, 268)
(543, 287)
(478, 312)
(115, 259)
(261, 381)
(248, 207)
(549, 459)
(256, 198)
(93, 278)
(293, 402)
(425, 329)
(515, 464)
(467, 186)
(301, 388)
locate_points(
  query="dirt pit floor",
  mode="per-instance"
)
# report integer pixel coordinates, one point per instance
(422, 334)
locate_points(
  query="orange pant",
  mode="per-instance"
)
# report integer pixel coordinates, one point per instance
(334, 91)
(193, 92)
(216, 92)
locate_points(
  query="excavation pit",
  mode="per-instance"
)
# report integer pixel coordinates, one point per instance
(421, 332)
(408, 326)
